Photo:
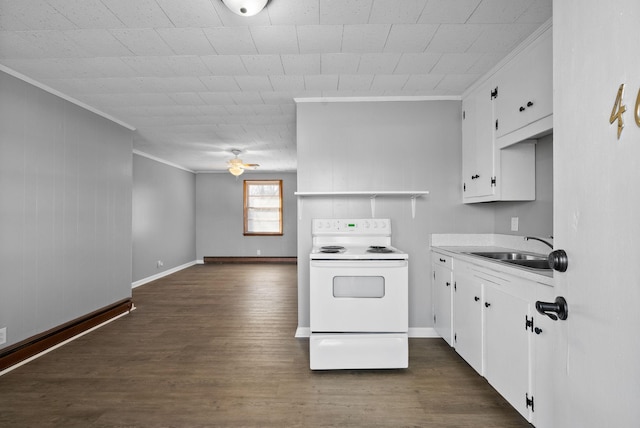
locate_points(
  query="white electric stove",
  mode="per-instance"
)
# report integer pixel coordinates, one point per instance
(358, 296)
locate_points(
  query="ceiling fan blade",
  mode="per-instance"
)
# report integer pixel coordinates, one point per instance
(251, 165)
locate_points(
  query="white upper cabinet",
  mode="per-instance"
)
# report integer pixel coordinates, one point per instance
(525, 91)
(491, 173)
(501, 117)
(477, 144)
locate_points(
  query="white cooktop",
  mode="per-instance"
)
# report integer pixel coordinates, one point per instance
(353, 239)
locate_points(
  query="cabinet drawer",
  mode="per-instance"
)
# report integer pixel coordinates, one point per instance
(441, 259)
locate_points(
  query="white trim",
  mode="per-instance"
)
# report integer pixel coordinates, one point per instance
(260, 171)
(372, 193)
(526, 42)
(157, 159)
(416, 332)
(57, 93)
(423, 332)
(46, 351)
(378, 99)
(303, 332)
(200, 261)
(162, 274)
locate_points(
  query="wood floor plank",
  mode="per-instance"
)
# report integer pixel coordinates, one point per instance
(213, 346)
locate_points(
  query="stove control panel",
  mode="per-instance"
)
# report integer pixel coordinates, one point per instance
(370, 226)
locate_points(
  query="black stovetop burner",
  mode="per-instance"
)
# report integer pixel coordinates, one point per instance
(379, 249)
(332, 249)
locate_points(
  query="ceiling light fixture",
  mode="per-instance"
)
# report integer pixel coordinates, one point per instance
(236, 166)
(245, 7)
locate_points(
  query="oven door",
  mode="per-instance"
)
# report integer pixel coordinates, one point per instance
(359, 296)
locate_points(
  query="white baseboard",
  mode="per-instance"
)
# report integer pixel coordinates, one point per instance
(162, 274)
(417, 332)
(303, 332)
(424, 332)
(71, 339)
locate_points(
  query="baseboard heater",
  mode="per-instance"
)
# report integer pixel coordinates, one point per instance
(221, 260)
(34, 345)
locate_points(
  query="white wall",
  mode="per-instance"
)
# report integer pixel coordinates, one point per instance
(65, 210)
(411, 145)
(164, 220)
(535, 217)
(220, 221)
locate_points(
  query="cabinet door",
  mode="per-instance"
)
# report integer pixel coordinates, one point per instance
(477, 143)
(506, 345)
(526, 87)
(442, 303)
(469, 146)
(467, 308)
(544, 355)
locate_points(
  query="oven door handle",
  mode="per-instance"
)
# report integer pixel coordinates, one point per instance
(359, 263)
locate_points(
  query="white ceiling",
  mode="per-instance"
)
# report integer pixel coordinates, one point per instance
(196, 80)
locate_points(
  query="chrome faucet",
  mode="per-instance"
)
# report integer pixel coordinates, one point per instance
(526, 238)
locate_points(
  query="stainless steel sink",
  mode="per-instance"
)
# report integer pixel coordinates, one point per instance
(534, 264)
(533, 261)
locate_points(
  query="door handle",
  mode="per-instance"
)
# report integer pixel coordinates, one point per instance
(558, 260)
(556, 310)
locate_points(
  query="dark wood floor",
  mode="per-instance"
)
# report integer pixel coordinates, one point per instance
(213, 346)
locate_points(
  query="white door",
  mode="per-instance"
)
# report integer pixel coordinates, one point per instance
(597, 213)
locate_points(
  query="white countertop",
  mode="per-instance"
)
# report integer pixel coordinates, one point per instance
(459, 245)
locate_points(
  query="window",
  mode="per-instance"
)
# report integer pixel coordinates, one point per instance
(263, 207)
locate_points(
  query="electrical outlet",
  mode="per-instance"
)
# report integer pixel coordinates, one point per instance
(159, 264)
(514, 224)
(3, 335)
(258, 252)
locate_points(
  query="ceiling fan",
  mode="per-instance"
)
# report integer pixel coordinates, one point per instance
(236, 166)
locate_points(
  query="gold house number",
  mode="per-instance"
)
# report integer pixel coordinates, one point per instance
(637, 112)
(619, 109)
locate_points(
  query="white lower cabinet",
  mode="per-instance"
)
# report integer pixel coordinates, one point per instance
(467, 307)
(441, 296)
(498, 332)
(543, 355)
(506, 344)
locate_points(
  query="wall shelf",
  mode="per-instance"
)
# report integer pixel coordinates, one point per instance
(372, 195)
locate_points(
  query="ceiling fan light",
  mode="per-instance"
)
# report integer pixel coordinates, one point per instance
(235, 170)
(245, 7)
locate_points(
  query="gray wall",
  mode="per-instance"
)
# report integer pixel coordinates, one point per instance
(65, 207)
(416, 145)
(164, 217)
(535, 217)
(219, 217)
